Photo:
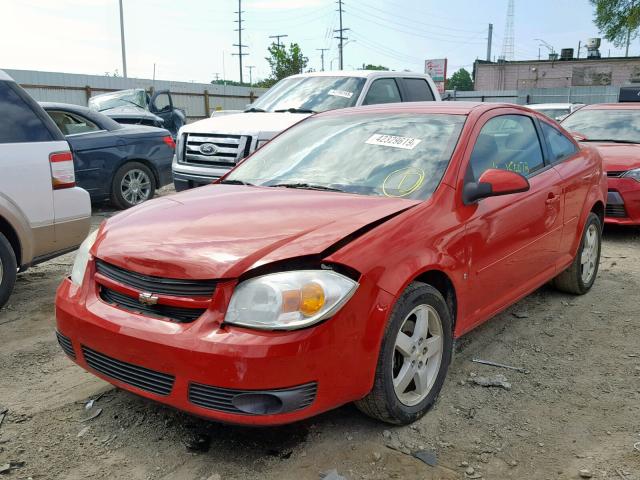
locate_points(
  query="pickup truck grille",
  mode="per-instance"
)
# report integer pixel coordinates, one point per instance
(220, 150)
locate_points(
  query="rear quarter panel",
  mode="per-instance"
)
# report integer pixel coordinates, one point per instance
(152, 150)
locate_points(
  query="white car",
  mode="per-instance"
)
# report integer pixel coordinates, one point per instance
(209, 148)
(42, 213)
(556, 111)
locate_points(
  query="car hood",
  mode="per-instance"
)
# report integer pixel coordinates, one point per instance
(265, 124)
(618, 157)
(221, 231)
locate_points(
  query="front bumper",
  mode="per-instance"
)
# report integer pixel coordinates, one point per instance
(623, 202)
(189, 176)
(203, 367)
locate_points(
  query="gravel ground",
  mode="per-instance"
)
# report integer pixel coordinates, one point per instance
(576, 408)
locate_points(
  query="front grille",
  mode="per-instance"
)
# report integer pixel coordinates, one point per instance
(157, 285)
(615, 211)
(143, 378)
(615, 174)
(178, 314)
(222, 399)
(229, 149)
(66, 345)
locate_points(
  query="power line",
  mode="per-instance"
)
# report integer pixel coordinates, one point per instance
(240, 46)
(341, 36)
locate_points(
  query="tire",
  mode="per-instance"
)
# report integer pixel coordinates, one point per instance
(574, 279)
(383, 402)
(8, 270)
(132, 184)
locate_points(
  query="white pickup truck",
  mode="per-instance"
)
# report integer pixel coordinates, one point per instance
(208, 149)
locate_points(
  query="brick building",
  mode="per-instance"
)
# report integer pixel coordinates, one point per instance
(516, 75)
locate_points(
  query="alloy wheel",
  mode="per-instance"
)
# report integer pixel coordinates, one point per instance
(135, 186)
(589, 254)
(417, 355)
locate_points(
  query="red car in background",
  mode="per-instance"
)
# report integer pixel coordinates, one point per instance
(336, 264)
(614, 129)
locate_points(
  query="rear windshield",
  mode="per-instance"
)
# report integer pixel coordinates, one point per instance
(317, 94)
(613, 125)
(392, 155)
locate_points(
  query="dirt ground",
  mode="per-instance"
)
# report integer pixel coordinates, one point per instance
(577, 407)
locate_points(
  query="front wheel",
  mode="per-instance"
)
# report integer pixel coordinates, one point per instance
(414, 357)
(580, 276)
(133, 184)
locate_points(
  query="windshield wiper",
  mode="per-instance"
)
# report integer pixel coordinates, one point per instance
(122, 100)
(612, 140)
(236, 182)
(295, 110)
(255, 110)
(306, 186)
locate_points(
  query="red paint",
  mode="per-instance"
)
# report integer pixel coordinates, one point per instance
(494, 252)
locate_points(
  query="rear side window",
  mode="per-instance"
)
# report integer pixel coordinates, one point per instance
(417, 90)
(383, 90)
(18, 122)
(71, 124)
(559, 145)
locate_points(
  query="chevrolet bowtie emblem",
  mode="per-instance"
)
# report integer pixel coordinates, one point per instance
(148, 298)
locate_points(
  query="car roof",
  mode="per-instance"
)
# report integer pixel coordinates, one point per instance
(5, 76)
(452, 108)
(613, 106)
(359, 73)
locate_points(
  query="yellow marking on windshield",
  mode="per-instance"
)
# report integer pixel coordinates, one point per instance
(404, 181)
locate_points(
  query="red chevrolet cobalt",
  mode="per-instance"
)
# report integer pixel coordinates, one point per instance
(614, 129)
(336, 264)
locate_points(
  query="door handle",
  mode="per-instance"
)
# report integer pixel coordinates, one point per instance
(552, 198)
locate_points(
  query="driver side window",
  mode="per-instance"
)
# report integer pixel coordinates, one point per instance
(162, 103)
(507, 142)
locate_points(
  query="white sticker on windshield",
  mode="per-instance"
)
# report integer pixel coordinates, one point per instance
(340, 93)
(406, 143)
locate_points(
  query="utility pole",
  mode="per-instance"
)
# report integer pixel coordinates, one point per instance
(626, 53)
(322, 50)
(341, 36)
(579, 47)
(489, 40)
(217, 74)
(278, 37)
(239, 44)
(124, 53)
(250, 67)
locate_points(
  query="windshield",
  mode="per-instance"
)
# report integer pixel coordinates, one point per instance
(316, 94)
(555, 113)
(135, 98)
(616, 125)
(392, 155)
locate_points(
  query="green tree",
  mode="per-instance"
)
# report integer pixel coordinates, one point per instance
(284, 63)
(370, 66)
(618, 20)
(460, 80)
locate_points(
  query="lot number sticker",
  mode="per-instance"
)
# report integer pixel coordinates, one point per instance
(406, 143)
(340, 93)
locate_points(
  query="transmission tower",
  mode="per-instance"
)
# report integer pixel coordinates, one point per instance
(508, 43)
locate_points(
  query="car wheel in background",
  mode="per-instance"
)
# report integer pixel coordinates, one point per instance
(580, 276)
(133, 184)
(413, 359)
(8, 270)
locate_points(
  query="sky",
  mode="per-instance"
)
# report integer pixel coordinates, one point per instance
(192, 40)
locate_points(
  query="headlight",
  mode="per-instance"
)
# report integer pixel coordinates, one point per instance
(635, 174)
(289, 300)
(82, 258)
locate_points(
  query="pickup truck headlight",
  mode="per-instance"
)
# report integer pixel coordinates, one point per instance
(82, 258)
(635, 174)
(289, 300)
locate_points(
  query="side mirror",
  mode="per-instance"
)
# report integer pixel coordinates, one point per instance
(494, 183)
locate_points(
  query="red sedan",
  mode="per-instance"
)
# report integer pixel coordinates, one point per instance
(336, 264)
(614, 129)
